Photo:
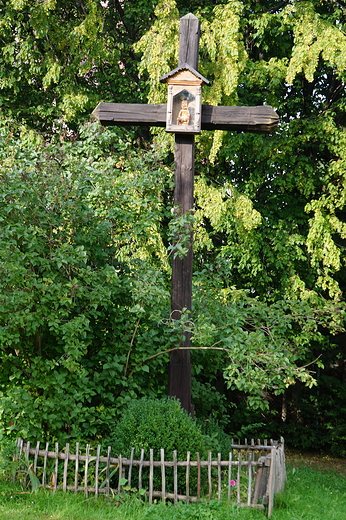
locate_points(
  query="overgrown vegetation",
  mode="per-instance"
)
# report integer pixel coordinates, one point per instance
(86, 220)
(155, 424)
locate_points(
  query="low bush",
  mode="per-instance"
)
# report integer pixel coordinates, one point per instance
(156, 423)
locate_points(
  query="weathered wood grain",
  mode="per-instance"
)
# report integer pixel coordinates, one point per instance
(189, 41)
(179, 373)
(270, 468)
(261, 119)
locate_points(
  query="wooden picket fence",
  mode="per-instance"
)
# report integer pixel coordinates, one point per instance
(252, 475)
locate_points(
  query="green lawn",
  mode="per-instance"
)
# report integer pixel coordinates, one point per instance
(310, 494)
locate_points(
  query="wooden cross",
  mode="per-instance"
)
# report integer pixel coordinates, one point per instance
(260, 119)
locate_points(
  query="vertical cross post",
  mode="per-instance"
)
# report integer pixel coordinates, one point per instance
(179, 375)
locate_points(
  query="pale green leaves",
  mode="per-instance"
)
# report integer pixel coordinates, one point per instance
(160, 48)
(52, 76)
(222, 41)
(314, 38)
(227, 211)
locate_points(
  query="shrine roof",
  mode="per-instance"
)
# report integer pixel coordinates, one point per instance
(181, 69)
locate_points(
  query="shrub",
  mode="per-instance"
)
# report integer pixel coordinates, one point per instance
(156, 423)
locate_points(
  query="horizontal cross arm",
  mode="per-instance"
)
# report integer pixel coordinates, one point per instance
(262, 119)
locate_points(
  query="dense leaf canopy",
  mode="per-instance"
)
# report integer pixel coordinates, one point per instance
(86, 214)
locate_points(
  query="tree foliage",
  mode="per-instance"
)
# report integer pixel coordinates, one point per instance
(59, 59)
(87, 227)
(82, 282)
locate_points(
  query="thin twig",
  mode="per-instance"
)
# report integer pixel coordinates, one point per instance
(171, 350)
(131, 345)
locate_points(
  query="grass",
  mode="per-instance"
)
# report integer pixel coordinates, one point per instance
(310, 494)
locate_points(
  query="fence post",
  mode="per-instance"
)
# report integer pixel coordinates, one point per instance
(271, 481)
(86, 469)
(64, 482)
(188, 455)
(175, 477)
(55, 477)
(97, 470)
(151, 475)
(163, 475)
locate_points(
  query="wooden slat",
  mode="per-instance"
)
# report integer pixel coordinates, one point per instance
(108, 463)
(129, 475)
(260, 119)
(55, 474)
(175, 477)
(36, 456)
(140, 486)
(163, 475)
(198, 475)
(151, 476)
(76, 473)
(271, 482)
(219, 477)
(27, 451)
(258, 484)
(45, 458)
(230, 455)
(120, 472)
(97, 466)
(238, 478)
(210, 489)
(187, 478)
(20, 444)
(86, 469)
(249, 483)
(64, 482)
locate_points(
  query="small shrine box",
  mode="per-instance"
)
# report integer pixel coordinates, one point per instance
(184, 103)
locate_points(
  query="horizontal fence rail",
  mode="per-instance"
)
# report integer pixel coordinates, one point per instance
(252, 475)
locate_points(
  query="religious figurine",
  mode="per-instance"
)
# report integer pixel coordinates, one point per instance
(184, 114)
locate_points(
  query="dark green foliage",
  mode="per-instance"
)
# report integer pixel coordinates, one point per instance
(84, 229)
(156, 423)
(82, 302)
(59, 59)
(160, 423)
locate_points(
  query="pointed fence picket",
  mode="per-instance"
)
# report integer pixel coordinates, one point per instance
(252, 475)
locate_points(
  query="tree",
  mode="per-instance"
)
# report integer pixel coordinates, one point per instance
(269, 209)
(269, 220)
(59, 59)
(83, 287)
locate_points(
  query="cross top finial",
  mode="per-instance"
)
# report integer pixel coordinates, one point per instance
(188, 16)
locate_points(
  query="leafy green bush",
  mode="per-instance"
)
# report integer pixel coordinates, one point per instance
(7, 449)
(215, 438)
(156, 423)
(150, 423)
